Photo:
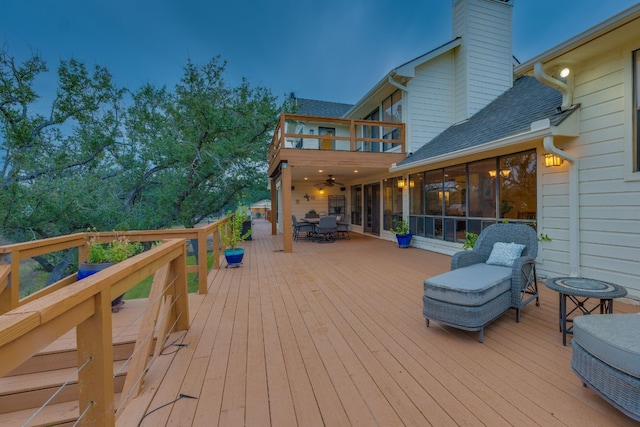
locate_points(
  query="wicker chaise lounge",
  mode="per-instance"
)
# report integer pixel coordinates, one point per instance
(498, 274)
(606, 357)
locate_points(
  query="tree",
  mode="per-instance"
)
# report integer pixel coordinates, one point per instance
(200, 147)
(49, 159)
(170, 158)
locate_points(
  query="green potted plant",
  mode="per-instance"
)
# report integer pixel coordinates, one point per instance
(401, 230)
(103, 255)
(236, 232)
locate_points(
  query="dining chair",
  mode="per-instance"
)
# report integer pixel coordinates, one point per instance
(327, 227)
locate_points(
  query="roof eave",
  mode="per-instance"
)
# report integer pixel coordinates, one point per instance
(604, 27)
(405, 70)
(539, 129)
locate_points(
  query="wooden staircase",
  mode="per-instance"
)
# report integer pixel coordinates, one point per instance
(28, 387)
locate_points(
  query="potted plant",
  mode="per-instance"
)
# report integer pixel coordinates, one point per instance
(235, 233)
(401, 230)
(103, 255)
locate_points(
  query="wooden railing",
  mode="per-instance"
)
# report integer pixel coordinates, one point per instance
(13, 255)
(86, 306)
(29, 324)
(351, 135)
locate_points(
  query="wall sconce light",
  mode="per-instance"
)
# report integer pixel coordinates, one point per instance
(306, 196)
(321, 191)
(401, 182)
(552, 160)
(564, 73)
(503, 173)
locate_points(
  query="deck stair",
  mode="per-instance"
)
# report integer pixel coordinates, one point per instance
(30, 385)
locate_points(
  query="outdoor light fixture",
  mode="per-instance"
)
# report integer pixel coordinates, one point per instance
(552, 160)
(401, 183)
(503, 173)
(564, 73)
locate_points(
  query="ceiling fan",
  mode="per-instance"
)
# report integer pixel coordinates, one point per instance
(329, 182)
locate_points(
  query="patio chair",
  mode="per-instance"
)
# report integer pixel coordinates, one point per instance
(498, 274)
(327, 228)
(301, 227)
(606, 357)
(342, 227)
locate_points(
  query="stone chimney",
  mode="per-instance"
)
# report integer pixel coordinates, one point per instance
(484, 62)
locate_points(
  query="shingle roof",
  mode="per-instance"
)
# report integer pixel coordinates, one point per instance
(320, 108)
(509, 114)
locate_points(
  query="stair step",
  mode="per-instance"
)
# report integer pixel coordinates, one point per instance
(66, 358)
(32, 390)
(59, 414)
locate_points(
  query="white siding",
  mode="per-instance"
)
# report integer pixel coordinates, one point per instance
(431, 100)
(609, 204)
(483, 63)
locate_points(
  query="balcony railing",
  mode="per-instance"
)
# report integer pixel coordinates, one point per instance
(303, 132)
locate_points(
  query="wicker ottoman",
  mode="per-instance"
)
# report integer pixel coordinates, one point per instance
(468, 298)
(606, 357)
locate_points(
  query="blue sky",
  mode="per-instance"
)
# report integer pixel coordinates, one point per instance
(332, 50)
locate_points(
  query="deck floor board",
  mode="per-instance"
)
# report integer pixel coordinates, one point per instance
(333, 334)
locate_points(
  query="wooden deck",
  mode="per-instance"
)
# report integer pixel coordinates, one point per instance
(333, 334)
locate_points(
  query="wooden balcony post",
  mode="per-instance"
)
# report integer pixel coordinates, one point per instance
(287, 231)
(274, 204)
(95, 380)
(352, 136)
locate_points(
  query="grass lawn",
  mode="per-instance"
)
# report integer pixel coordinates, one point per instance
(141, 290)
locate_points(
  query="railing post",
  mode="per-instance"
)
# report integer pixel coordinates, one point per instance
(95, 380)
(10, 297)
(180, 291)
(216, 247)
(203, 260)
(352, 136)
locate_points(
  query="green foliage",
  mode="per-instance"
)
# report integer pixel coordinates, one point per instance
(469, 240)
(169, 157)
(234, 234)
(119, 249)
(544, 238)
(400, 227)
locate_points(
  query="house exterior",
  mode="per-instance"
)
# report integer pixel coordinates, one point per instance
(471, 137)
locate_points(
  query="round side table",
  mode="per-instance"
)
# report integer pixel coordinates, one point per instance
(579, 290)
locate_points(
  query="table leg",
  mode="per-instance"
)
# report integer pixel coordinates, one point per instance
(563, 317)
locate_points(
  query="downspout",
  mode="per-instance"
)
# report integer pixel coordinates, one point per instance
(560, 86)
(574, 198)
(574, 205)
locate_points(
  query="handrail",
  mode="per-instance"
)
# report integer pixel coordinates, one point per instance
(86, 305)
(15, 253)
(280, 134)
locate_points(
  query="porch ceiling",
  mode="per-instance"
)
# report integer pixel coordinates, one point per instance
(316, 165)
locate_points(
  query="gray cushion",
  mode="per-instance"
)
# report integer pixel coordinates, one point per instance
(612, 338)
(473, 285)
(505, 253)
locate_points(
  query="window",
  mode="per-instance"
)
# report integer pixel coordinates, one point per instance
(636, 106)
(356, 204)
(326, 142)
(446, 203)
(391, 202)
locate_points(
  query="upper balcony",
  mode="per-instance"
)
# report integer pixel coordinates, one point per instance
(304, 140)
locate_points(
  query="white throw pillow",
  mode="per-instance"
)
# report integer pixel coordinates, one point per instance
(505, 253)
